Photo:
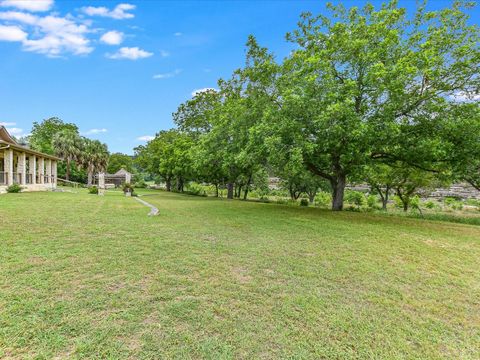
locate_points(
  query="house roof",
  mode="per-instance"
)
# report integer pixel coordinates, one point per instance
(121, 172)
(10, 142)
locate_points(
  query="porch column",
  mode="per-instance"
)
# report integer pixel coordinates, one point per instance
(48, 169)
(22, 168)
(54, 172)
(32, 168)
(8, 162)
(41, 170)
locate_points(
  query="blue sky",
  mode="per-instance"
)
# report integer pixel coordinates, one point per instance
(119, 69)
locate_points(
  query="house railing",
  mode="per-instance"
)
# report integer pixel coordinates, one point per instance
(3, 178)
(17, 178)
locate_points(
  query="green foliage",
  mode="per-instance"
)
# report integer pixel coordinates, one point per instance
(195, 189)
(356, 198)
(14, 188)
(42, 134)
(93, 190)
(118, 161)
(372, 201)
(323, 199)
(453, 203)
(303, 202)
(128, 188)
(429, 204)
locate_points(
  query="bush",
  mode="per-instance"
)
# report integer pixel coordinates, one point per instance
(194, 189)
(303, 202)
(429, 204)
(355, 197)
(140, 184)
(13, 189)
(93, 190)
(127, 187)
(323, 199)
(454, 203)
(372, 202)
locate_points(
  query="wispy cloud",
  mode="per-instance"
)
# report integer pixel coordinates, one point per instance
(145, 138)
(53, 35)
(95, 131)
(112, 37)
(7, 123)
(178, 34)
(168, 75)
(15, 131)
(28, 5)
(164, 53)
(121, 11)
(130, 53)
(199, 91)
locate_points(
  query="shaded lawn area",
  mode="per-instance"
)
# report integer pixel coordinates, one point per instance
(83, 276)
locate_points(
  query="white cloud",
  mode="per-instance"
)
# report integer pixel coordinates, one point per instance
(112, 37)
(28, 5)
(119, 12)
(198, 91)
(15, 131)
(164, 53)
(131, 53)
(95, 131)
(463, 96)
(178, 34)
(18, 16)
(12, 33)
(146, 138)
(168, 75)
(7, 123)
(52, 35)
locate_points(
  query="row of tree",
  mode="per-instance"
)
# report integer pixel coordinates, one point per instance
(80, 154)
(366, 95)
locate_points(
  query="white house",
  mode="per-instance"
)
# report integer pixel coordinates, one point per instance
(31, 169)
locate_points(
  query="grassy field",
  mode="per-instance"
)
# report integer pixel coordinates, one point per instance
(83, 276)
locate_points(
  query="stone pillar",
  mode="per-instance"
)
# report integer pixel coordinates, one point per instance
(41, 170)
(48, 170)
(128, 178)
(22, 168)
(32, 168)
(8, 161)
(54, 172)
(101, 184)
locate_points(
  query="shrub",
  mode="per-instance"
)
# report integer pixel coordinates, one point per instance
(127, 187)
(355, 197)
(140, 184)
(303, 202)
(429, 204)
(372, 202)
(323, 199)
(453, 202)
(93, 190)
(194, 189)
(13, 189)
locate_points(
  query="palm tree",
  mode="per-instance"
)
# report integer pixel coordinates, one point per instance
(67, 145)
(94, 158)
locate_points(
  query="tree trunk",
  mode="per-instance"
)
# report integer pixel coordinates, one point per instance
(67, 170)
(230, 191)
(89, 178)
(338, 190)
(168, 184)
(311, 197)
(238, 191)
(180, 184)
(216, 190)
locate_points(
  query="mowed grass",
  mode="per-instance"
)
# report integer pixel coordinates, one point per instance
(84, 276)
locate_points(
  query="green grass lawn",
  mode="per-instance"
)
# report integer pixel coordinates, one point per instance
(83, 276)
